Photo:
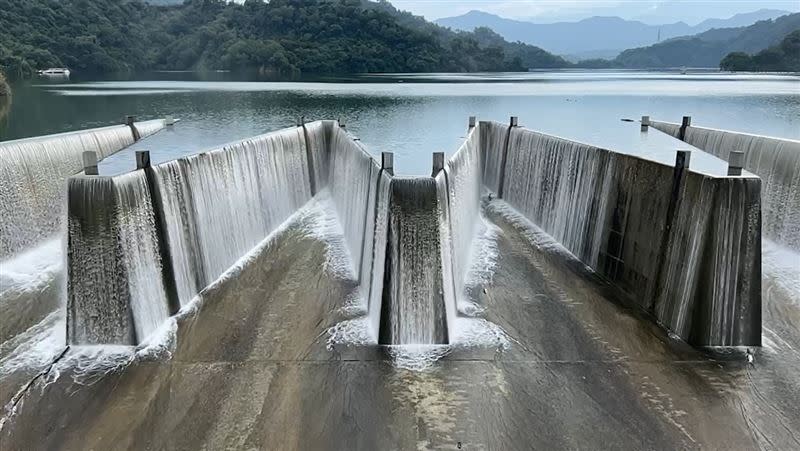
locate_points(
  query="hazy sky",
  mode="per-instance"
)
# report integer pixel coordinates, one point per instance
(651, 11)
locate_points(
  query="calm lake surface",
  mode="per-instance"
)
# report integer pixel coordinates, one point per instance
(410, 115)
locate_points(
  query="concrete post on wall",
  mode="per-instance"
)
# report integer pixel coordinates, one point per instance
(142, 159)
(312, 181)
(686, 122)
(130, 121)
(735, 163)
(438, 163)
(514, 122)
(90, 163)
(387, 162)
(645, 123)
(341, 122)
(682, 159)
(472, 122)
(143, 162)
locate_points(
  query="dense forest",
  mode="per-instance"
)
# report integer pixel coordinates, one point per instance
(784, 57)
(281, 37)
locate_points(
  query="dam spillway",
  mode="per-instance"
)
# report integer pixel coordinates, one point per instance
(33, 179)
(677, 246)
(776, 161)
(683, 246)
(413, 310)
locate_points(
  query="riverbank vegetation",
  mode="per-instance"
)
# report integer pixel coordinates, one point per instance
(784, 57)
(282, 37)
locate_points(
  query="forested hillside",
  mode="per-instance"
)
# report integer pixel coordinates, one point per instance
(707, 49)
(784, 57)
(282, 37)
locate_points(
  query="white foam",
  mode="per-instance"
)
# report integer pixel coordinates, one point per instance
(417, 357)
(30, 270)
(782, 266)
(37, 346)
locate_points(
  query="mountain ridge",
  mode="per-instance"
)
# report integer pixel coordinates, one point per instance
(608, 34)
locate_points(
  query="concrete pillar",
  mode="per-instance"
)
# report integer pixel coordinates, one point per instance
(387, 162)
(90, 163)
(312, 180)
(682, 159)
(645, 123)
(685, 123)
(735, 162)
(142, 159)
(438, 163)
(341, 122)
(130, 121)
(472, 121)
(514, 121)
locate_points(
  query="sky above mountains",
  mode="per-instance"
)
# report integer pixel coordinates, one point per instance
(648, 11)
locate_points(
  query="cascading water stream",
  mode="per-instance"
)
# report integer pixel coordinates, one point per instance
(218, 205)
(413, 310)
(776, 161)
(32, 180)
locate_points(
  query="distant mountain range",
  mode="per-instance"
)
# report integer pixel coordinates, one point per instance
(596, 37)
(708, 48)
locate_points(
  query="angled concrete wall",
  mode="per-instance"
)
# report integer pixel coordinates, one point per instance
(204, 212)
(683, 246)
(775, 160)
(33, 177)
(33, 186)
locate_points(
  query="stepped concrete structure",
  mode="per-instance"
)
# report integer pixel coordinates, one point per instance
(289, 292)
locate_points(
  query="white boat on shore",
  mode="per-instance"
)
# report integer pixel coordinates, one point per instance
(56, 71)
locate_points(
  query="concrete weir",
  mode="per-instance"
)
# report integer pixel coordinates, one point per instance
(684, 246)
(33, 176)
(776, 161)
(413, 310)
(293, 295)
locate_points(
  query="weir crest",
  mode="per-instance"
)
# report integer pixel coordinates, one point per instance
(682, 246)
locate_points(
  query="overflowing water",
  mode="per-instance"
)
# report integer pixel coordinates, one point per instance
(413, 310)
(352, 179)
(138, 240)
(682, 245)
(378, 266)
(218, 205)
(32, 181)
(776, 161)
(464, 185)
(116, 291)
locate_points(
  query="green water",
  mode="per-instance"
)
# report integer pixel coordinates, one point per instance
(410, 115)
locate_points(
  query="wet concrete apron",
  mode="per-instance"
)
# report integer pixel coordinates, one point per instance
(251, 370)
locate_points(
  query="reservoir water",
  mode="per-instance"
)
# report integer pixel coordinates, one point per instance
(281, 250)
(411, 115)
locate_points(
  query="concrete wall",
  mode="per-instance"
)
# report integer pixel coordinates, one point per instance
(33, 179)
(209, 210)
(776, 161)
(683, 246)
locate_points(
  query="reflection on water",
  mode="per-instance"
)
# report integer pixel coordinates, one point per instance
(409, 114)
(5, 106)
